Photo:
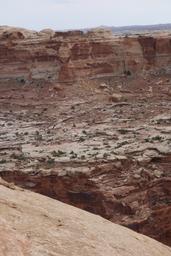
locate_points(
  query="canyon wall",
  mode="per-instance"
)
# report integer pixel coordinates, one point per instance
(102, 144)
(28, 56)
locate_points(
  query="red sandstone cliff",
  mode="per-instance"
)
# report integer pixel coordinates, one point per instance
(68, 56)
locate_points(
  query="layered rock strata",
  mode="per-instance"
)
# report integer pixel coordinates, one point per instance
(28, 56)
(102, 144)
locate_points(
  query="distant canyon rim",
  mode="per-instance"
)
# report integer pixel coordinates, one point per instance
(85, 118)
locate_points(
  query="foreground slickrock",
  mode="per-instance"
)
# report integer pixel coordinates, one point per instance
(12, 243)
(85, 118)
(31, 224)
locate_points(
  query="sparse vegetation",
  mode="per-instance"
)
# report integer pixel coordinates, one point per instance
(119, 145)
(82, 139)
(153, 139)
(158, 138)
(47, 162)
(82, 157)
(58, 153)
(105, 155)
(73, 155)
(3, 161)
(123, 131)
(20, 157)
(50, 161)
(95, 148)
(38, 136)
(127, 73)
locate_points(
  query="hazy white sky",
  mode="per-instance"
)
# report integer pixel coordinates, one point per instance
(74, 14)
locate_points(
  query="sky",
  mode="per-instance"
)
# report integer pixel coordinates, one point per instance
(75, 14)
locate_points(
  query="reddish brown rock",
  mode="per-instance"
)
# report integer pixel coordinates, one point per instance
(74, 144)
(148, 45)
(69, 56)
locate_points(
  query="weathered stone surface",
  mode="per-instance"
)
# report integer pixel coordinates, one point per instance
(47, 227)
(69, 56)
(12, 243)
(69, 141)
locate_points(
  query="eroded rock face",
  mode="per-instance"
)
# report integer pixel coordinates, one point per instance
(102, 143)
(53, 228)
(120, 191)
(148, 45)
(68, 56)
